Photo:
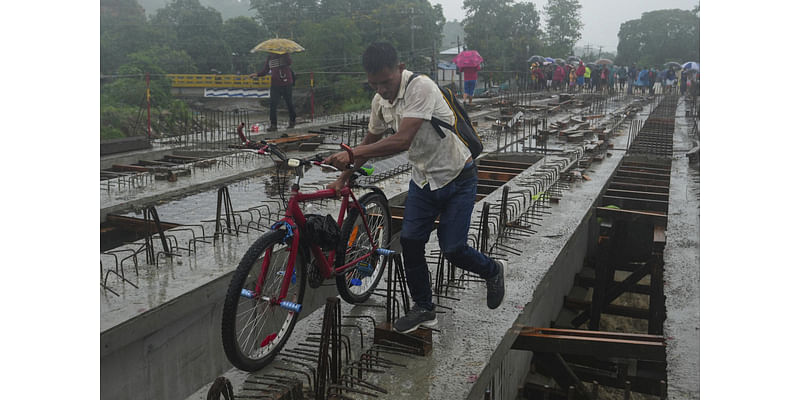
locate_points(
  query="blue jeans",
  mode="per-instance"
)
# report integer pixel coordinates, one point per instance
(453, 205)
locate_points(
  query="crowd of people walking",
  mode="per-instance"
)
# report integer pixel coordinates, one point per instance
(609, 78)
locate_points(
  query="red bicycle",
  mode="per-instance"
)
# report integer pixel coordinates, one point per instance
(265, 295)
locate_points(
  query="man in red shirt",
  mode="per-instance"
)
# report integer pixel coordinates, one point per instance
(282, 81)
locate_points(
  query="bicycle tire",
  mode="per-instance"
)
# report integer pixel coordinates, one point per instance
(354, 244)
(255, 317)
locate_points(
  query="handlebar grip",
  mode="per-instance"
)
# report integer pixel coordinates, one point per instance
(349, 151)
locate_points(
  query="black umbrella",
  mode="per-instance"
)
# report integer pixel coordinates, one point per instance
(560, 61)
(538, 59)
(672, 64)
(573, 59)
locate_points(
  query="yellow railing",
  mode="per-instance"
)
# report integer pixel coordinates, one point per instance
(219, 81)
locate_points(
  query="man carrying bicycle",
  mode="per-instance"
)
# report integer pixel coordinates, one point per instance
(443, 179)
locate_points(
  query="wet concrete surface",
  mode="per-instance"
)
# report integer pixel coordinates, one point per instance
(473, 341)
(682, 268)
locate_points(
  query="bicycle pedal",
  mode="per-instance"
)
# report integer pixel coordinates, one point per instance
(365, 268)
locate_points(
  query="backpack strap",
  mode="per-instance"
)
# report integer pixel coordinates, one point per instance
(437, 123)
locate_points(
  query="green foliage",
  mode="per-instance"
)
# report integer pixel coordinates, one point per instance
(563, 26)
(118, 121)
(123, 30)
(658, 37)
(242, 34)
(505, 34)
(198, 31)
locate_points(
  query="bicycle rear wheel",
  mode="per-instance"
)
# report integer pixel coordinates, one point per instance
(254, 328)
(356, 285)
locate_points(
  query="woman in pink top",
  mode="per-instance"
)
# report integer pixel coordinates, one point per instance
(470, 79)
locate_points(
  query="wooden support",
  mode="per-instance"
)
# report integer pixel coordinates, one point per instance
(657, 306)
(648, 217)
(500, 176)
(630, 203)
(554, 365)
(134, 168)
(507, 164)
(613, 291)
(593, 343)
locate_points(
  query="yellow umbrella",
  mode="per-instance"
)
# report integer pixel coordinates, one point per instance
(278, 46)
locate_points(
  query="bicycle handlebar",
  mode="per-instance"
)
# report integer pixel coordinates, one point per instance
(294, 162)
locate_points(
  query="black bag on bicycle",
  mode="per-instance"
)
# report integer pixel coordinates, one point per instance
(322, 231)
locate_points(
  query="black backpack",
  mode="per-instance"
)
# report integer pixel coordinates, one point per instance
(462, 126)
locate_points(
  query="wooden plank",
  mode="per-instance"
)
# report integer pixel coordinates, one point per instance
(491, 168)
(643, 175)
(643, 188)
(638, 194)
(631, 347)
(629, 203)
(184, 158)
(639, 181)
(632, 215)
(135, 168)
(291, 139)
(138, 225)
(500, 176)
(498, 163)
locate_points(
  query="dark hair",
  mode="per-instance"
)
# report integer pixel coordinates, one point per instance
(378, 56)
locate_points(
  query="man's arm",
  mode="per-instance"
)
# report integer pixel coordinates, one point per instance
(392, 144)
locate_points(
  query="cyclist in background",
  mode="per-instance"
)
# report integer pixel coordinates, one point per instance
(443, 179)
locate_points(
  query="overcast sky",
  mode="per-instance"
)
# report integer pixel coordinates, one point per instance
(601, 18)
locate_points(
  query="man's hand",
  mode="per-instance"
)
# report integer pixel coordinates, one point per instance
(339, 183)
(338, 160)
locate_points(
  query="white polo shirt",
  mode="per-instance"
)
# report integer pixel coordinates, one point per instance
(435, 160)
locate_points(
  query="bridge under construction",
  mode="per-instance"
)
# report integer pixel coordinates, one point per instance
(592, 198)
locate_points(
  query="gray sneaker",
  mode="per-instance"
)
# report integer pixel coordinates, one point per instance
(415, 318)
(495, 287)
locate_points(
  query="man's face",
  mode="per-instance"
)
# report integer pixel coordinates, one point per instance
(387, 81)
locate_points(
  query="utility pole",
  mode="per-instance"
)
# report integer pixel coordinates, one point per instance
(460, 75)
(435, 63)
(412, 13)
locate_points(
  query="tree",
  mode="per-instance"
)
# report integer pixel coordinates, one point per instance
(123, 30)
(658, 37)
(242, 34)
(563, 26)
(198, 31)
(502, 32)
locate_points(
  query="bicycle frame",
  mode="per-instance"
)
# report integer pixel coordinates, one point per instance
(294, 218)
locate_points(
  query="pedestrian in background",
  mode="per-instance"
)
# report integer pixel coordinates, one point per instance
(558, 77)
(278, 66)
(587, 76)
(579, 73)
(470, 80)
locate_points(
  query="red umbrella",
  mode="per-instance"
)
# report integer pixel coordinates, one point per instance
(468, 58)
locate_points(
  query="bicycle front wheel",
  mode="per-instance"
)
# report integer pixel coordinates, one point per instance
(254, 325)
(357, 284)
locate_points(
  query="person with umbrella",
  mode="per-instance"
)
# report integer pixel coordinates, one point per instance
(670, 81)
(469, 62)
(443, 183)
(278, 66)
